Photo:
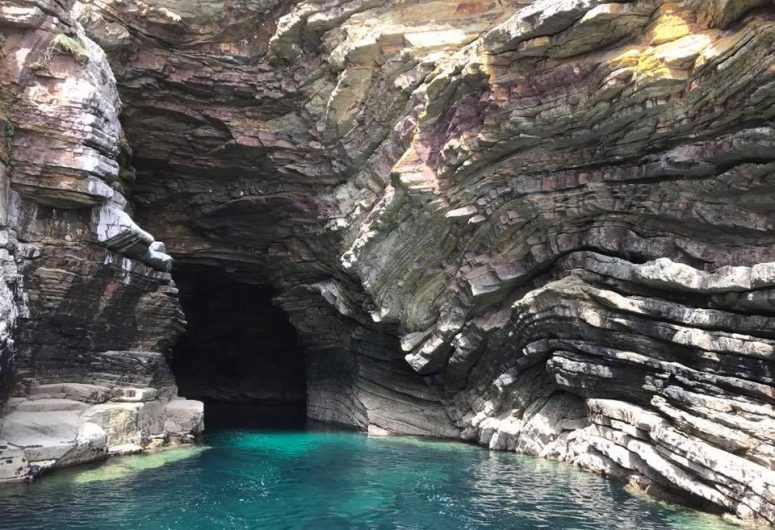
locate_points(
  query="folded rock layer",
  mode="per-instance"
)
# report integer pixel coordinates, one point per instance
(545, 226)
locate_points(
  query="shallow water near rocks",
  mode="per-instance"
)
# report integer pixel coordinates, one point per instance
(251, 479)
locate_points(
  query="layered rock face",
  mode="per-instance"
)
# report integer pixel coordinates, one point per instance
(87, 302)
(544, 226)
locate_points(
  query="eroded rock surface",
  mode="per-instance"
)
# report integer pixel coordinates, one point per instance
(130, 405)
(84, 291)
(545, 226)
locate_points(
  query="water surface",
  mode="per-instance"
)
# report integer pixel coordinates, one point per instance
(254, 479)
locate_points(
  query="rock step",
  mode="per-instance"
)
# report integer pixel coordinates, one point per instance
(51, 405)
(43, 435)
(44, 432)
(134, 394)
(76, 391)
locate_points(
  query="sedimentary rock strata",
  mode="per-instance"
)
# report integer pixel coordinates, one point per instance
(87, 303)
(544, 226)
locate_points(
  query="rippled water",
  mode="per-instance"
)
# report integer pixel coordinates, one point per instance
(318, 480)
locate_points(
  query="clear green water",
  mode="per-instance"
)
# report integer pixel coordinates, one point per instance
(242, 479)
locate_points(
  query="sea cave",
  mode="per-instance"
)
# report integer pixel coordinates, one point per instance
(381, 264)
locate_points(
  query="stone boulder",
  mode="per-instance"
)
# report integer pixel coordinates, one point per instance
(184, 418)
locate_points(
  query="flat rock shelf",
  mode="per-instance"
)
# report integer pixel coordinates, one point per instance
(296, 479)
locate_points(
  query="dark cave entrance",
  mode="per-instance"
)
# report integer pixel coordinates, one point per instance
(239, 353)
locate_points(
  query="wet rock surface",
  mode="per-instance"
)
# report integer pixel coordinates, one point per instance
(543, 226)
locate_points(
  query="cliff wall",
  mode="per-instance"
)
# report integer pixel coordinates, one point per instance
(87, 303)
(544, 226)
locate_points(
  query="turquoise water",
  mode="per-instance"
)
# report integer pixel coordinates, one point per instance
(241, 479)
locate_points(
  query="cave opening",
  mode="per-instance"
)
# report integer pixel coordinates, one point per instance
(239, 354)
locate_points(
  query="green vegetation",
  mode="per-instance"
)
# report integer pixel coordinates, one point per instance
(5, 120)
(71, 46)
(9, 132)
(62, 44)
